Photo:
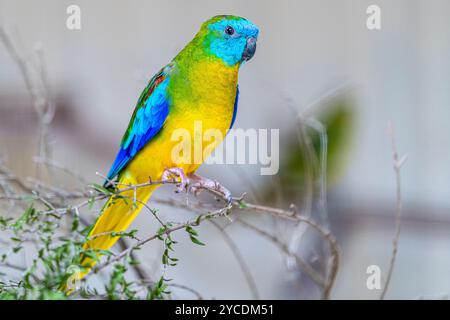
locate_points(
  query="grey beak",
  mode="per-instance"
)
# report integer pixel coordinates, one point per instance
(250, 49)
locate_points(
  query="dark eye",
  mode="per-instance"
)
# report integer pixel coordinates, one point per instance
(229, 30)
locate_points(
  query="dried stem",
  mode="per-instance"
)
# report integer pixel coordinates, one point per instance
(240, 259)
(398, 163)
(36, 81)
(217, 213)
(313, 274)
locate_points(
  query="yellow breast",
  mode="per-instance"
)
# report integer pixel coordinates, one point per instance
(202, 104)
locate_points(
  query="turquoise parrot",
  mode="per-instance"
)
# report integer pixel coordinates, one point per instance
(199, 84)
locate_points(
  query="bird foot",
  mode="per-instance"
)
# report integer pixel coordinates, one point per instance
(198, 184)
(173, 174)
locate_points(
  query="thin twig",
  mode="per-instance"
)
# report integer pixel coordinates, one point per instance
(398, 163)
(53, 164)
(35, 79)
(312, 274)
(237, 204)
(176, 285)
(217, 213)
(240, 259)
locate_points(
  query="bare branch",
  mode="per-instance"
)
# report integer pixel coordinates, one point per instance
(398, 163)
(218, 213)
(36, 81)
(240, 259)
(313, 274)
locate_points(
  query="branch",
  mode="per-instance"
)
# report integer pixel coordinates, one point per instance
(324, 233)
(96, 194)
(240, 259)
(312, 274)
(218, 213)
(36, 81)
(237, 203)
(398, 163)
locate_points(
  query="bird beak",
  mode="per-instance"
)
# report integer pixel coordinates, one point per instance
(250, 48)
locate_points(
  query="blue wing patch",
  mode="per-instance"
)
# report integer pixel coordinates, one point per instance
(148, 119)
(236, 101)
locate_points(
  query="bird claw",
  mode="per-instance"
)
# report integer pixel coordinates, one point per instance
(196, 184)
(199, 183)
(173, 173)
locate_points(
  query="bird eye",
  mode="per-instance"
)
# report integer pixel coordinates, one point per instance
(229, 30)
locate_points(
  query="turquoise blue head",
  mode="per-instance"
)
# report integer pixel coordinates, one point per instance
(230, 38)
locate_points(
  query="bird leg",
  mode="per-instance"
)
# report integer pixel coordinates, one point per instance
(174, 173)
(198, 184)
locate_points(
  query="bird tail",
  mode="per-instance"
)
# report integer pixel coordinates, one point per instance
(116, 216)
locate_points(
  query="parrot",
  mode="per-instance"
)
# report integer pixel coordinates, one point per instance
(199, 84)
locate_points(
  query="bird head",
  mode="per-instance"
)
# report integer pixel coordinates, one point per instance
(229, 38)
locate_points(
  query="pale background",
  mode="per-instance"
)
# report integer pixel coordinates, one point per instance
(399, 73)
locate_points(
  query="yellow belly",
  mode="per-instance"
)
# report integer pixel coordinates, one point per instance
(208, 102)
(158, 154)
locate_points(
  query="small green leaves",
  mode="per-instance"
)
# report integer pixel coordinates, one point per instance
(199, 219)
(91, 254)
(193, 235)
(159, 289)
(75, 223)
(101, 189)
(17, 249)
(133, 262)
(167, 260)
(118, 284)
(4, 221)
(242, 204)
(24, 218)
(165, 257)
(196, 241)
(91, 202)
(161, 232)
(131, 234)
(191, 231)
(55, 251)
(59, 232)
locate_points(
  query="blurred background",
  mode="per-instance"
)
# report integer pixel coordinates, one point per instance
(306, 50)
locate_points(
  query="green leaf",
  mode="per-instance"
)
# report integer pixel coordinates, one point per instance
(91, 202)
(18, 225)
(198, 220)
(242, 205)
(75, 223)
(196, 241)
(164, 259)
(133, 262)
(101, 189)
(4, 221)
(17, 249)
(191, 231)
